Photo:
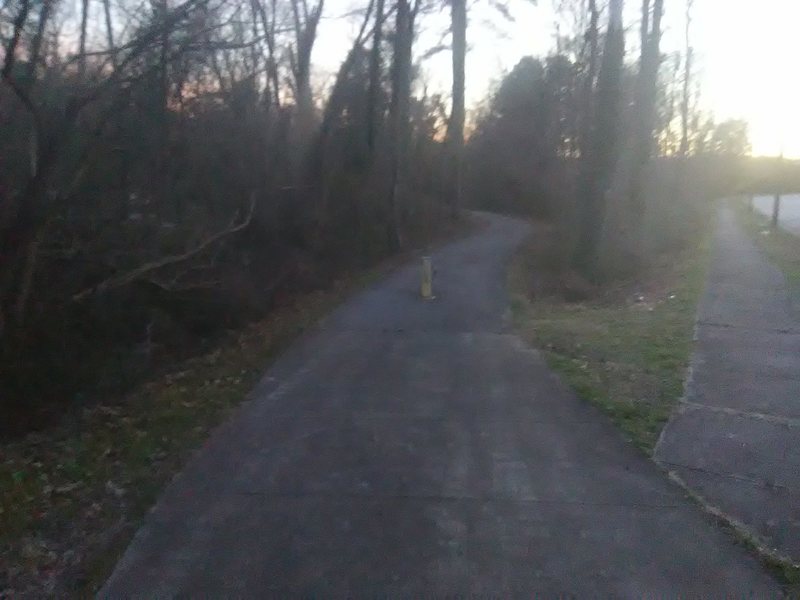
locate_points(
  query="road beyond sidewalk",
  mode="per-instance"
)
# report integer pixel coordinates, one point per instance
(419, 448)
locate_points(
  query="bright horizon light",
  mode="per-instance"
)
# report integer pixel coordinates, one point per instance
(746, 56)
(743, 56)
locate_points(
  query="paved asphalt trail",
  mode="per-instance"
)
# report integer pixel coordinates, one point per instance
(411, 447)
(736, 439)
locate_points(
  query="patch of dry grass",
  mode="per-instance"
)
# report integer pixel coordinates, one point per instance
(627, 347)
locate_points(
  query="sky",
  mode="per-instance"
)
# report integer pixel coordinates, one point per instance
(744, 49)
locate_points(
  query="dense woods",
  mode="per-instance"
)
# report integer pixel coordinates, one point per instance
(172, 169)
(188, 185)
(605, 136)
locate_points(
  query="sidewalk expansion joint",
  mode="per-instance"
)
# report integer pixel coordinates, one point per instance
(775, 419)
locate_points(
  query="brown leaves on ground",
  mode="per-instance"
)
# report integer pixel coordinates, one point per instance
(72, 496)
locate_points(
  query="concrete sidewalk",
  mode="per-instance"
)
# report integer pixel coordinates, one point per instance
(736, 438)
(412, 448)
(789, 213)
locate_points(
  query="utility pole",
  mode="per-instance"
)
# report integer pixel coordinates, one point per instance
(776, 203)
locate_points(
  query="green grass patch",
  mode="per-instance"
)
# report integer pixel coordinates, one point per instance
(627, 351)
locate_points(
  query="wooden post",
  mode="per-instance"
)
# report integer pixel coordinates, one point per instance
(426, 285)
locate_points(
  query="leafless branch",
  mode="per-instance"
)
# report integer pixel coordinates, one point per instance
(11, 48)
(36, 44)
(141, 271)
(430, 52)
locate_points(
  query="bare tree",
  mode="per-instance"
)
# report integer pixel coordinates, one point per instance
(305, 31)
(646, 95)
(333, 110)
(599, 163)
(38, 38)
(82, 40)
(455, 126)
(109, 31)
(687, 82)
(22, 233)
(129, 156)
(590, 74)
(374, 90)
(268, 24)
(399, 112)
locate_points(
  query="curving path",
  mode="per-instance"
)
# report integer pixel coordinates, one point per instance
(411, 447)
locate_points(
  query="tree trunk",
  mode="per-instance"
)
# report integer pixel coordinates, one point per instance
(268, 25)
(373, 93)
(587, 110)
(644, 29)
(109, 32)
(164, 66)
(318, 168)
(597, 167)
(305, 31)
(455, 127)
(305, 27)
(687, 81)
(19, 244)
(82, 41)
(36, 44)
(646, 95)
(399, 116)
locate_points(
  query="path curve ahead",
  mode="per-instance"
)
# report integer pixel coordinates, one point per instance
(411, 447)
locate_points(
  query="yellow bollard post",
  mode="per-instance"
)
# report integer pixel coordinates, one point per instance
(426, 285)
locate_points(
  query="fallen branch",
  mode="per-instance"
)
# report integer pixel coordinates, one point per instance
(124, 279)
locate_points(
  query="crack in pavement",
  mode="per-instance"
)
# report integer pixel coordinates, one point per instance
(762, 483)
(777, 420)
(778, 330)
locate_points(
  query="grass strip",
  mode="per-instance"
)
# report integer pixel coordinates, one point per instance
(627, 351)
